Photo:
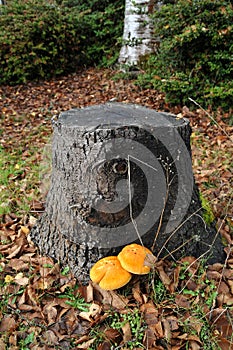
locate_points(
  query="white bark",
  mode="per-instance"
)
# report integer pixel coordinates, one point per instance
(138, 31)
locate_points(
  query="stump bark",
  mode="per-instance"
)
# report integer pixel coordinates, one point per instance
(121, 174)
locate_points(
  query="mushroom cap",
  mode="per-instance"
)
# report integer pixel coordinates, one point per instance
(109, 273)
(132, 258)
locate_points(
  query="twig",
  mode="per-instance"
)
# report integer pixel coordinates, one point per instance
(162, 213)
(139, 160)
(130, 194)
(221, 313)
(182, 245)
(210, 116)
(178, 227)
(130, 205)
(201, 256)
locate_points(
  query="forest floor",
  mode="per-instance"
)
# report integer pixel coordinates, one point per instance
(181, 305)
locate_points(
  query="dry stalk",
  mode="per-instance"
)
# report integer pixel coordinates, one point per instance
(210, 116)
(163, 210)
(130, 204)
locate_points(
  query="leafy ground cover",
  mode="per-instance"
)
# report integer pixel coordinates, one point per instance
(181, 305)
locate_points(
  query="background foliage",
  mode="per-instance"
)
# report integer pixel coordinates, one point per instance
(193, 59)
(195, 55)
(40, 39)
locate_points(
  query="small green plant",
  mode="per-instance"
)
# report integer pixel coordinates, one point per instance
(75, 299)
(99, 336)
(6, 296)
(65, 271)
(24, 344)
(117, 321)
(205, 334)
(137, 326)
(159, 291)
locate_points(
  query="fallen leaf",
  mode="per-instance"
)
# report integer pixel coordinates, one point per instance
(111, 298)
(167, 329)
(90, 315)
(163, 276)
(127, 335)
(7, 324)
(182, 301)
(86, 344)
(21, 279)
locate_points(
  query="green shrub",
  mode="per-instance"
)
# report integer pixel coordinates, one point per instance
(41, 39)
(195, 55)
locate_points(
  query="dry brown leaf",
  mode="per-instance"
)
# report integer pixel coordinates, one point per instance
(173, 322)
(71, 320)
(51, 312)
(13, 251)
(111, 297)
(18, 265)
(158, 329)
(69, 282)
(214, 275)
(163, 276)
(2, 344)
(21, 280)
(88, 296)
(150, 313)
(149, 338)
(195, 323)
(26, 307)
(193, 345)
(150, 260)
(230, 283)
(85, 345)
(33, 297)
(94, 311)
(22, 299)
(225, 344)
(182, 301)
(8, 324)
(106, 345)
(223, 288)
(222, 322)
(167, 329)
(44, 282)
(50, 338)
(127, 335)
(113, 335)
(137, 294)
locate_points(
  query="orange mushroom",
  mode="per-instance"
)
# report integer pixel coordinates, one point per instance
(132, 259)
(109, 273)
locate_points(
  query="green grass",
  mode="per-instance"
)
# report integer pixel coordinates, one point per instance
(18, 179)
(21, 176)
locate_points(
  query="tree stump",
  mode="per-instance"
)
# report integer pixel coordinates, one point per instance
(120, 174)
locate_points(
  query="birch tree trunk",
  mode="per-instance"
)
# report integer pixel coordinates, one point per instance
(138, 31)
(122, 174)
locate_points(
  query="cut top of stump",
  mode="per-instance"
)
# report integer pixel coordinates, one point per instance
(115, 115)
